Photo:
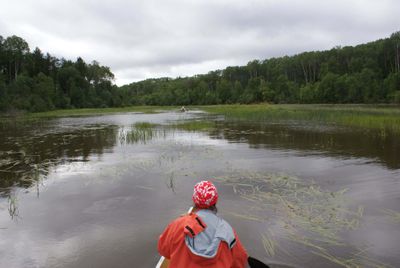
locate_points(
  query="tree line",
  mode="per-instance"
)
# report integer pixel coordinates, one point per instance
(34, 81)
(367, 73)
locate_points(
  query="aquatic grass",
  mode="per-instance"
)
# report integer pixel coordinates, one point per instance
(29, 169)
(305, 213)
(383, 118)
(88, 111)
(171, 182)
(13, 206)
(268, 243)
(145, 125)
(140, 132)
(392, 215)
(308, 202)
(193, 125)
(246, 216)
(357, 261)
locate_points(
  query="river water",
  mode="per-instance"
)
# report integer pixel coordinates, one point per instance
(97, 191)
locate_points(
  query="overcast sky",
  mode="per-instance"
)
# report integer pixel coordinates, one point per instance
(147, 38)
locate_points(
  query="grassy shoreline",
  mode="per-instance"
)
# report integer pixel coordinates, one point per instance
(88, 111)
(378, 117)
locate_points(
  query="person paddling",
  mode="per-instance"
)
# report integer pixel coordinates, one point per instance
(201, 238)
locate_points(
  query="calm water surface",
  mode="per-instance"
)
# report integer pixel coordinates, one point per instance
(97, 191)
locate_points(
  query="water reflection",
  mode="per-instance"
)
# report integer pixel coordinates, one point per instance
(114, 182)
(29, 150)
(309, 139)
(27, 154)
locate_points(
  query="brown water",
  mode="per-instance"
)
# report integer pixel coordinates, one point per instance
(97, 191)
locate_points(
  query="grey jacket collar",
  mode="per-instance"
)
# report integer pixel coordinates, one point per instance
(206, 243)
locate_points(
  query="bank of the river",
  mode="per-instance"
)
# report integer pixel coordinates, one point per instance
(379, 117)
(87, 111)
(382, 117)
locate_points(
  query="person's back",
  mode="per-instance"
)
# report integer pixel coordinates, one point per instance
(201, 238)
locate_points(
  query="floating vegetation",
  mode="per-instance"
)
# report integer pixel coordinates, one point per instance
(392, 215)
(268, 243)
(28, 168)
(306, 214)
(13, 207)
(30, 151)
(171, 182)
(247, 216)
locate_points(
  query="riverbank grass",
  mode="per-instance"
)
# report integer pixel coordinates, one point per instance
(197, 125)
(380, 117)
(90, 111)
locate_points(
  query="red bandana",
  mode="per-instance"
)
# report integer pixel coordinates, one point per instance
(205, 194)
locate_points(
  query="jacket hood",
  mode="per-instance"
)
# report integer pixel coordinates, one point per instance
(205, 233)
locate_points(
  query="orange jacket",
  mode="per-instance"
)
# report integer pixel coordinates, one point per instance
(172, 245)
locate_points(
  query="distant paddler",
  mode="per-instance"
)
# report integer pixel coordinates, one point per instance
(183, 109)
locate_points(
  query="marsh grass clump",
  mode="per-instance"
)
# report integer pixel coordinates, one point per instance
(194, 125)
(141, 132)
(384, 118)
(144, 125)
(392, 215)
(306, 214)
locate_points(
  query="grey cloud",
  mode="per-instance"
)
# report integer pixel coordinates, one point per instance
(141, 38)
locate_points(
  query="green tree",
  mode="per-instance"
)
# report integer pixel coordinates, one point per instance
(97, 74)
(354, 89)
(391, 85)
(235, 92)
(370, 86)
(36, 63)
(223, 90)
(3, 94)
(3, 60)
(15, 48)
(308, 93)
(44, 93)
(327, 90)
(282, 88)
(20, 92)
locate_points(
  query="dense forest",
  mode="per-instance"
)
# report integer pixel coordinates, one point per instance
(34, 81)
(367, 73)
